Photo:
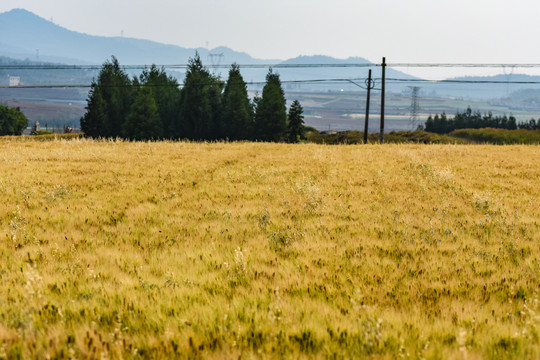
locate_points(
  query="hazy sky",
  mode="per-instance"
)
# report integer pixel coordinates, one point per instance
(465, 31)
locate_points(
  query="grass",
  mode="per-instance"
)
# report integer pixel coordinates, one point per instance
(114, 249)
(498, 136)
(45, 136)
(393, 137)
(461, 136)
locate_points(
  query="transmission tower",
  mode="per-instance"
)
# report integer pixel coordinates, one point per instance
(216, 60)
(508, 75)
(415, 108)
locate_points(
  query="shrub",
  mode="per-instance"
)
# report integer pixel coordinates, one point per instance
(499, 136)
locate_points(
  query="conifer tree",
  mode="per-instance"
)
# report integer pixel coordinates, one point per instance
(271, 112)
(296, 122)
(143, 121)
(200, 104)
(237, 113)
(114, 97)
(93, 122)
(115, 87)
(512, 123)
(166, 93)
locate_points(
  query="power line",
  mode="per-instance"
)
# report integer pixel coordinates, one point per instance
(458, 81)
(276, 66)
(183, 66)
(310, 81)
(466, 65)
(46, 86)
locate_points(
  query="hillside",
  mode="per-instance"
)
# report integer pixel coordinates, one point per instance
(22, 33)
(487, 87)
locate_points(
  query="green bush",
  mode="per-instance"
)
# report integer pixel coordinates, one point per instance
(43, 132)
(12, 121)
(498, 136)
(44, 137)
(357, 137)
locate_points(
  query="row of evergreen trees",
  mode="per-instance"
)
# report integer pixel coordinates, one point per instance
(440, 124)
(12, 121)
(530, 125)
(153, 106)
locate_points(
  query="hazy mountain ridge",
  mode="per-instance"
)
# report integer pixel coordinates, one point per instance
(23, 33)
(488, 87)
(26, 35)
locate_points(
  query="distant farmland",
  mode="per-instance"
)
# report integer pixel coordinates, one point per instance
(52, 107)
(225, 250)
(338, 111)
(50, 114)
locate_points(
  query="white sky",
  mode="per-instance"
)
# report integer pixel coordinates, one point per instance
(453, 31)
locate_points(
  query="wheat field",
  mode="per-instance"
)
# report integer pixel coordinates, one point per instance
(127, 250)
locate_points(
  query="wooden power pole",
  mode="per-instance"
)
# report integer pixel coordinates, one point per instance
(369, 85)
(382, 97)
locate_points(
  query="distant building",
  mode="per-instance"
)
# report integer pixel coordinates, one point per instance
(14, 80)
(35, 128)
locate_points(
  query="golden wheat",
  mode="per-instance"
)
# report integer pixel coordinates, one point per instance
(113, 249)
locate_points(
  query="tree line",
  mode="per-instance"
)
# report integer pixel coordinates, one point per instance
(12, 121)
(530, 125)
(153, 106)
(440, 124)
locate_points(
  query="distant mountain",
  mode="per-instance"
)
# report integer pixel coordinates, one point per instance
(484, 87)
(324, 59)
(357, 71)
(23, 34)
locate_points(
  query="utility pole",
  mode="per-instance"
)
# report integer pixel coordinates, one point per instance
(382, 97)
(369, 85)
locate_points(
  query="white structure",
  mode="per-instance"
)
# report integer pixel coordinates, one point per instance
(14, 80)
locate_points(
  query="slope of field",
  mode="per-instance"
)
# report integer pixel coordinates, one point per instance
(161, 250)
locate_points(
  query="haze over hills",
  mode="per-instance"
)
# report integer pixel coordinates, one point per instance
(27, 39)
(491, 87)
(359, 74)
(24, 35)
